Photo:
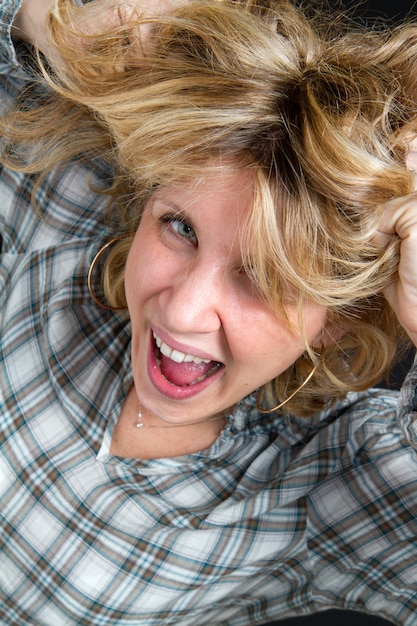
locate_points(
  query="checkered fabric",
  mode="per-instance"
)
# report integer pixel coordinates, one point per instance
(280, 517)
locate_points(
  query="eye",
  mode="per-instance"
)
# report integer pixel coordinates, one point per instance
(180, 226)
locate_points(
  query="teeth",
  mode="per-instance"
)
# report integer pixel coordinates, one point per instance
(176, 355)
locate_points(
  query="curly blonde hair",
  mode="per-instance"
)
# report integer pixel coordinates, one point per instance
(320, 111)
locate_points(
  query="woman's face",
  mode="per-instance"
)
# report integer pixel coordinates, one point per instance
(202, 337)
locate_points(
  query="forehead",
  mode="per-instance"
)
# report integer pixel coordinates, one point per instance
(235, 214)
(221, 183)
(224, 197)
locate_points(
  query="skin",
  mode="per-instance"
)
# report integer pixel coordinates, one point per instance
(184, 280)
(400, 219)
(97, 16)
(163, 307)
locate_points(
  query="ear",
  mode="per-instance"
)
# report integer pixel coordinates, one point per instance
(329, 334)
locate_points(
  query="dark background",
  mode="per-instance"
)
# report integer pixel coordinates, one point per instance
(388, 9)
(368, 10)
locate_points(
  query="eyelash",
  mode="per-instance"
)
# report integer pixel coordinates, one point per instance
(169, 219)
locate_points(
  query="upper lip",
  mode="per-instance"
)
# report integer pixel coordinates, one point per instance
(182, 347)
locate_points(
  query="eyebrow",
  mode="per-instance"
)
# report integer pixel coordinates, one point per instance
(181, 212)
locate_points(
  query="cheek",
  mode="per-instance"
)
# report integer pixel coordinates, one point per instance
(308, 329)
(136, 277)
(262, 341)
(130, 274)
(315, 326)
(139, 262)
(148, 272)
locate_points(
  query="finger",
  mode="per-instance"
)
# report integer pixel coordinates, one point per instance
(399, 219)
(411, 161)
(411, 158)
(101, 17)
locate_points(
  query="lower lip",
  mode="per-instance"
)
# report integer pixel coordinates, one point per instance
(169, 390)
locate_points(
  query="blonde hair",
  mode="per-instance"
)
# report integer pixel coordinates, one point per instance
(322, 114)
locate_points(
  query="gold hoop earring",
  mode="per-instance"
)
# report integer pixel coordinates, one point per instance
(94, 262)
(281, 404)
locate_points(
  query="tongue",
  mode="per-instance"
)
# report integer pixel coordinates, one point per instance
(183, 374)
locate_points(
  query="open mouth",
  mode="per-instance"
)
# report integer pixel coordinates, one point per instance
(182, 369)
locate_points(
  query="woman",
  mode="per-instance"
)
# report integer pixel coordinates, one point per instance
(202, 213)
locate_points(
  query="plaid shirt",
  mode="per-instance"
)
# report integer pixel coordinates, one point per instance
(280, 517)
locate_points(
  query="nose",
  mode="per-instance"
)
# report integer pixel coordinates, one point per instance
(194, 299)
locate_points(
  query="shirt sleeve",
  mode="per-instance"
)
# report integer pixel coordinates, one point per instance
(362, 518)
(9, 63)
(407, 406)
(64, 205)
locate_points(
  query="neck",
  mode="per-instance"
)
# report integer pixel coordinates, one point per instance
(141, 424)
